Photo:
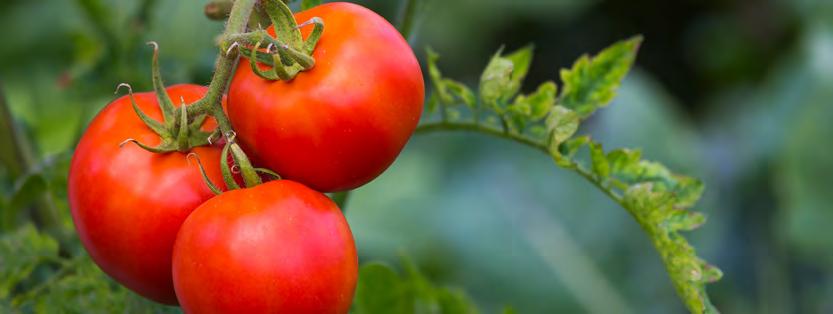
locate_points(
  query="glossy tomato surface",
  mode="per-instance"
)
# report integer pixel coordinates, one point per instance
(279, 247)
(342, 123)
(128, 204)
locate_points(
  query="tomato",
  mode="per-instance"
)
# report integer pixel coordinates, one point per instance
(343, 122)
(278, 247)
(127, 203)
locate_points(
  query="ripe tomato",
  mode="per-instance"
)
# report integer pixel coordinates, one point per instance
(342, 123)
(128, 203)
(278, 247)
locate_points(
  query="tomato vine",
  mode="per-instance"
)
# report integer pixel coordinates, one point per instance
(546, 120)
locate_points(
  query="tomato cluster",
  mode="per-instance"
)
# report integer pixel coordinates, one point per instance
(150, 221)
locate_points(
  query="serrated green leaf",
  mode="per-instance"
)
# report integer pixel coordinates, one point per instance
(571, 146)
(562, 123)
(440, 89)
(541, 100)
(521, 61)
(460, 93)
(623, 158)
(528, 109)
(599, 160)
(683, 220)
(20, 253)
(657, 198)
(654, 208)
(592, 82)
(447, 92)
(309, 4)
(688, 190)
(502, 78)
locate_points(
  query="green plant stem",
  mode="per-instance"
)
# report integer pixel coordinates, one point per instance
(238, 19)
(662, 241)
(15, 153)
(538, 145)
(470, 126)
(407, 17)
(18, 155)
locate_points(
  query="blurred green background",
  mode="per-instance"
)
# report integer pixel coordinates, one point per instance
(737, 93)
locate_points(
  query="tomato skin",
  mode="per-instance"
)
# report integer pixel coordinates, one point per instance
(279, 247)
(127, 203)
(342, 123)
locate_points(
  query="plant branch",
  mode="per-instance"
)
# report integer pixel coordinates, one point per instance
(18, 155)
(681, 272)
(15, 153)
(407, 18)
(238, 19)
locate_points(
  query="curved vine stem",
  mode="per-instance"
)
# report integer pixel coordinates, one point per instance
(535, 144)
(685, 276)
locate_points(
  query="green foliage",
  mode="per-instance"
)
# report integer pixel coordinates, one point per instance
(21, 252)
(34, 278)
(382, 290)
(502, 78)
(592, 82)
(659, 200)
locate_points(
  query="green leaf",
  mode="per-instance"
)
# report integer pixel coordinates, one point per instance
(623, 158)
(532, 108)
(541, 101)
(599, 161)
(20, 253)
(654, 209)
(502, 78)
(460, 93)
(447, 92)
(309, 4)
(657, 198)
(436, 77)
(592, 82)
(521, 61)
(562, 123)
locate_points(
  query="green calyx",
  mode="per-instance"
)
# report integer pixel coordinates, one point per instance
(240, 166)
(286, 54)
(177, 131)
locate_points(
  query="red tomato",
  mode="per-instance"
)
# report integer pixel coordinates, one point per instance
(342, 123)
(128, 203)
(279, 247)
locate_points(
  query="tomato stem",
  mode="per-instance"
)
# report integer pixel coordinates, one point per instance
(237, 21)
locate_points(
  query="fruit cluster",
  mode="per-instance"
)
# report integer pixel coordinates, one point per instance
(339, 108)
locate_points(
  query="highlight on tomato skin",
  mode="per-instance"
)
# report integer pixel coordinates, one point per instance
(278, 247)
(127, 203)
(340, 124)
